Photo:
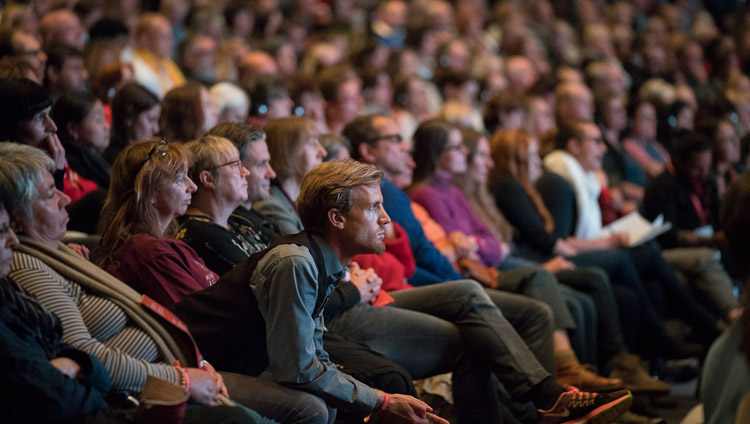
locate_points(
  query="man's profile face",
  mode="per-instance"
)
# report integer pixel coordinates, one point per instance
(390, 155)
(589, 149)
(365, 222)
(697, 168)
(73, 75)
(258, 162)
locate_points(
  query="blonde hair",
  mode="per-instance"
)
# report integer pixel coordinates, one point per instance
(138, 174)
(207, 154)
(330, 186)
(510, 152)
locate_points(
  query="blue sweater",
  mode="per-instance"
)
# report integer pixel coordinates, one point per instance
(432, 266)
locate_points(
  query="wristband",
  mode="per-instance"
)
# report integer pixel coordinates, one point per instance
(386, 401)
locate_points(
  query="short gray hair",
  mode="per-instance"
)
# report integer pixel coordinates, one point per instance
(226, 95)
(21, 167)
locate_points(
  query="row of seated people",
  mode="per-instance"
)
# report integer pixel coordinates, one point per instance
(173, 270)
(156, 173)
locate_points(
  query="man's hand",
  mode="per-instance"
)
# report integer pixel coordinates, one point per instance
(557, 264)
(563, 248)
(408, 410)
(67, 366)
(618, 240)
(367, 282)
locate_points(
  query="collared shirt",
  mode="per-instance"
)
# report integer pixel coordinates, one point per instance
(285, 282)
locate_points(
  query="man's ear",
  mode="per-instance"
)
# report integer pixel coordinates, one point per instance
(573, 146)
(52, 74)
(366, 152)
(206, 179)
(336, 218)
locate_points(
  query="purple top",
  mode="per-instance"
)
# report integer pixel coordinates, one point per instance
(448, 206)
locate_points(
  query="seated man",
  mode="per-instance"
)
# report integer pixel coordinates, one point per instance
(571, 191)
(687, 197)
(340, 205)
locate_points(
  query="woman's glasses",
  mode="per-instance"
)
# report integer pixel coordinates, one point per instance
(161, 142)
(236, 163)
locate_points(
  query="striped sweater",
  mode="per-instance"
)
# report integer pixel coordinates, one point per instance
(94, 325)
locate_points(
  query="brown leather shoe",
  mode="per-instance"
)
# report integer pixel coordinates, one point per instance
(628, 368)
(572, 372)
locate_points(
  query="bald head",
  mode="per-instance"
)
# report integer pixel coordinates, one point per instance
(62, 27)
(574, 102)
(153, 33)
(257, 63)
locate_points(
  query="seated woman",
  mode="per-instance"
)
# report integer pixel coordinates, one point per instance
(84, 134)
(135, 116)
(52, 382)
(222, 187)
(439, 153)
(25, 118)
(138, 244)
(641, 144)
(591, 280)
(187, 113)
(517, 167)
(295, 150)
(99, 314)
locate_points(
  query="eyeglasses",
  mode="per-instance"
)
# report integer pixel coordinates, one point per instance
(456, 147)
(394, 138)
(237, 163)
(161, 142)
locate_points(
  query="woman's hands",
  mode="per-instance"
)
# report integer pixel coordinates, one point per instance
(51, 144)
(465, 246)
(205, 385)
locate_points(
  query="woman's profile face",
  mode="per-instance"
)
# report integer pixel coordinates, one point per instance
(231, 181)
(49, 220)
(535, 162)
(173, 197)
(210, 116)
(453, 158)
(481, 163)
(146, 124)
(94, 129)
(644, 121)
(36, 129)
(311, 156)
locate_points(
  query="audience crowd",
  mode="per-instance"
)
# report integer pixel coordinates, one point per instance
(300, 211)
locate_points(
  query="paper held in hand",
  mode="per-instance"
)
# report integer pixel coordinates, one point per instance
(638, 228)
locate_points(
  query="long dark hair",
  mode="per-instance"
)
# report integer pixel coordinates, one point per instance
(429, 140)
(71, 107)
(130, 101)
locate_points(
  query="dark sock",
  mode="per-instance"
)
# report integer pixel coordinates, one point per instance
(545, 393)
